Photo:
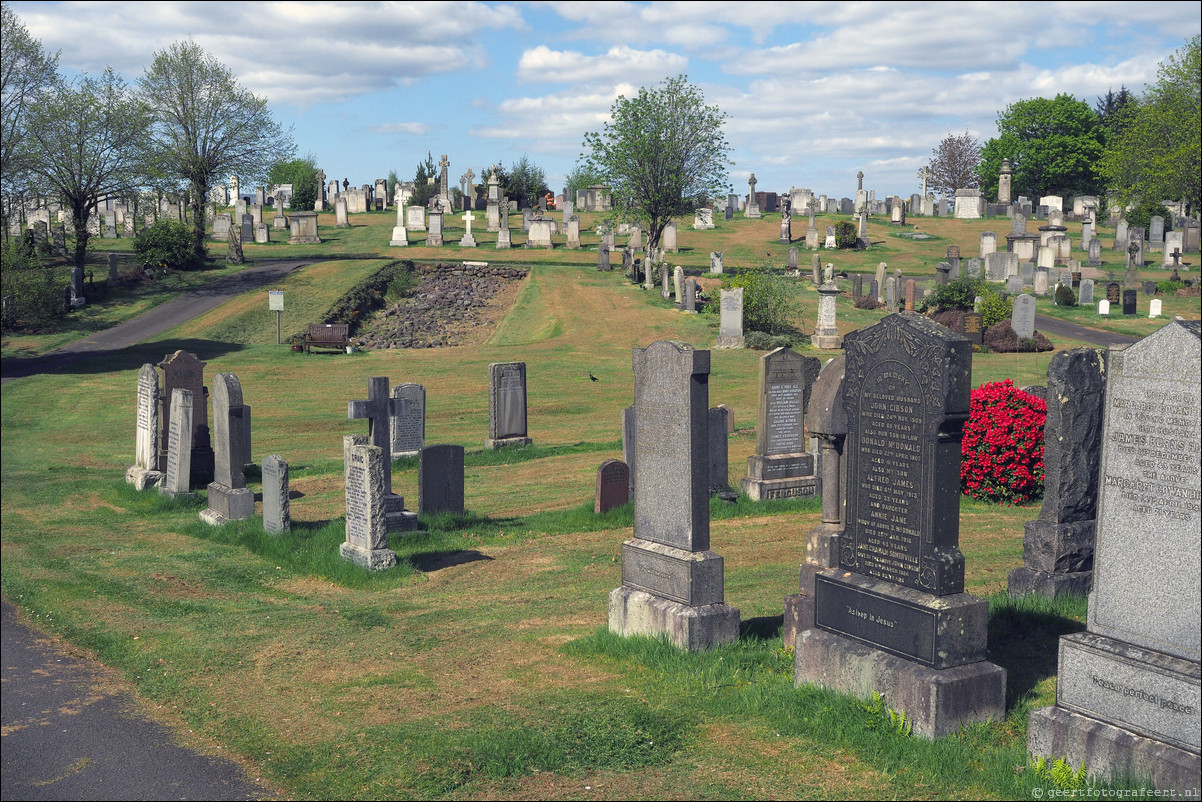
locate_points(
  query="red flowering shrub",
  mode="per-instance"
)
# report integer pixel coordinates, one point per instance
(1001, 458)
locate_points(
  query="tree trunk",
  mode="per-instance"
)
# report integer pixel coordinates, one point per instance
(79, 215)
(196, 201)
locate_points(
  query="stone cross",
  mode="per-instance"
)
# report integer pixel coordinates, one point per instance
(377, 409)
(1176, 258)
(751, 182)
(467, 219)
(925, 173)
(471, 176)
(463, 186)
(442, 177)
(859, 180)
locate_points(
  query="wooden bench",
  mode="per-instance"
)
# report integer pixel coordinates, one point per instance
(327, 335)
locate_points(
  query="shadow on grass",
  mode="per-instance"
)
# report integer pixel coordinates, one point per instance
(1024, 638)
(436, 560)
(112, 359)
(763, 628)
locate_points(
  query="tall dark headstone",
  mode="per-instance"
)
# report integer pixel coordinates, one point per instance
(440, 479)
(893, 616)
(781, 466)
(1058, 547)
(672, 584)
(506, 405)
(1128, 691)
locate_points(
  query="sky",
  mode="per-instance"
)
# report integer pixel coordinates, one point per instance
(814, 92)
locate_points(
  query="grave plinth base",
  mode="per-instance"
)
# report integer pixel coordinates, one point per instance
(400, 237)
(1057, 548)
(1023, 582)
(760, 489)
(142, 478)
(636, 612)
(1111, 752)
(936, 702)
(730, 342)
(827, 339)
(228, 504)
(371, 559)
(504, 442)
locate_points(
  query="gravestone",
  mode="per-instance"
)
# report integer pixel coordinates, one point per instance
(1058, 546)
(407, 420)
(145, 471)
(506, 405)
(781, 466)
(440, 479)
(434, 233)
(893, 617)
(690, 296)
(730, 326)
(365, 470)
(628, 443)
(573, 224)
(792, 259)
(716, 262)
(1022, 318)
(719, 450)
(400, 236)
(603, 256)
(177, 480)
(112, 262)
(972, 267)
(1114, 292)
(880, 281)
(678, 286)
(1154, 307)
(415, 218)
(234, 251)
(277, 515)
(1129, 298)
(857, 285)
(667, 239)
(974, 327)
(1104, 307)
(1085, 292)
(826, 331)
(1041, 282)
(302, 229)
(378, 411)
(183, 371)
(1127, 691)
(1014, 285)
(229, 499)
(613, 486)
(672, 584)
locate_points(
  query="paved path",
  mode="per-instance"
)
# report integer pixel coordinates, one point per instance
(155, 321)
(1054, 326)
(67, 735)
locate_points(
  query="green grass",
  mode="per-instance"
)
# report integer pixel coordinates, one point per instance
(479, 667)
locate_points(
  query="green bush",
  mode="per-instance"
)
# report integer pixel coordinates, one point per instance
(1168, 287)
(768, 301)
(168, 243)
(845, 234)
(762, 341)
(1065, 296)
(1141, 216)
(960, 293)
(33, 293)
(995, 307)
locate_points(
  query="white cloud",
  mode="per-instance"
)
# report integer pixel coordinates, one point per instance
(401, 128)
(619, 63)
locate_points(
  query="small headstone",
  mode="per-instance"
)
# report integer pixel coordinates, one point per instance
(974, 327)
(440, 479)
(781, 467)
(1022, 318)
(1114, 292)
(407, 420)
(613, 486)
(716, 262)
(730, 326)
(177, 478)
(1129, 300)
(506, 405)
(603, 256)
(1154, 307)
(277, 515)
(1085, 292)
(719, 450)
(366, 527)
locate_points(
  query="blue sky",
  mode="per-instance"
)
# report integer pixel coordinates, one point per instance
(814, 91)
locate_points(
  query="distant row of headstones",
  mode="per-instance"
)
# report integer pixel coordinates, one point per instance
(881, 605)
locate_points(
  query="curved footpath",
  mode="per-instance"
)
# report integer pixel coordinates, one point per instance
(154, 321)
(65, 735)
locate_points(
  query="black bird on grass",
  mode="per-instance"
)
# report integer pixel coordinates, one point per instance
(593, 378)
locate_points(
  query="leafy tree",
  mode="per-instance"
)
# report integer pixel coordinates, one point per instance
(167, 243)
(526, 182)
(582, 176)
(1053, 146)
(25, 71)
(662, 153)
(959, 293)
(33, 294)
(207, 125)
(954, 164)
(302, 175)
(87, 139)
(769, 300)
(1155, 156)
(424, 190)
(1115, 108)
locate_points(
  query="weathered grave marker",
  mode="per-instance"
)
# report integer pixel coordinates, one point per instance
(440, 479)
(277, 514)
(613, 486)
(506, 405)
(366, 528)
(177, 480)
(145, 471)
(229, 499)
(781, 467)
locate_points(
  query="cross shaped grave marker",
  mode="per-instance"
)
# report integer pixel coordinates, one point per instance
(467, 219)
(1176, 258)
(377, 409)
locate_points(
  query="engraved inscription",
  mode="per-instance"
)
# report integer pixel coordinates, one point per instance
(1161, 701)
(782, 397)
(358, 518)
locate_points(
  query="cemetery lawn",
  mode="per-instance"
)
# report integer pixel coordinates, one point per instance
(481, 667)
